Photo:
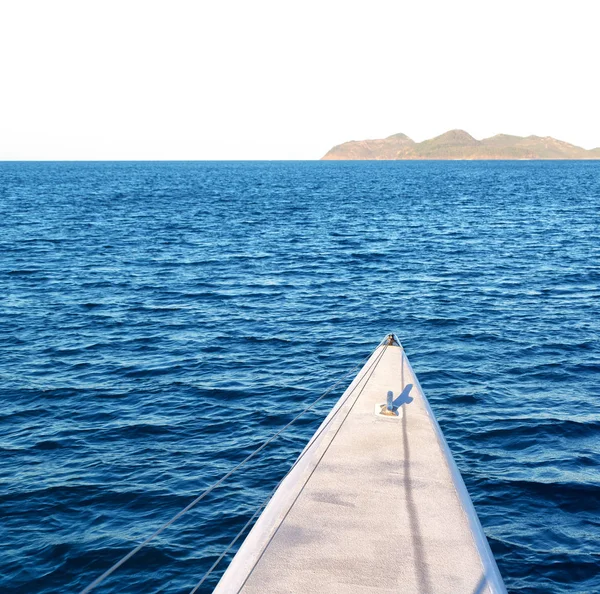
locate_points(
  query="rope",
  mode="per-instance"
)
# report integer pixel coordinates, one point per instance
(313, 470)
(232, 543)
(200, 497)
(371, 369)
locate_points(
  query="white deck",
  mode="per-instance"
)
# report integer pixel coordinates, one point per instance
(374, 504)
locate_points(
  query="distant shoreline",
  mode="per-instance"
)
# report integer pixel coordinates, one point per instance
(458, 145)
(321, 160)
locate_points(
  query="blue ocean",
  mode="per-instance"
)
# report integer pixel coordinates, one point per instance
(160, 320)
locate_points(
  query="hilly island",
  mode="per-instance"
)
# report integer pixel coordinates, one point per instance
(458, 144)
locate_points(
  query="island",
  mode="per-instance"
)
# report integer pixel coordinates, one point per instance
(458, 144)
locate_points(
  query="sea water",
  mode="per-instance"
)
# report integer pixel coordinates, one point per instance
(158, 321)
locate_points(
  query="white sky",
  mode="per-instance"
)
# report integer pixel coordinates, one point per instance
(221, 79)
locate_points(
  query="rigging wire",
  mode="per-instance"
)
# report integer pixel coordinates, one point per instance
(218, 483)
(265, 501)
(372, 368)
(232, 543)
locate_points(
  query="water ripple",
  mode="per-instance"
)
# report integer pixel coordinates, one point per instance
(159, 320)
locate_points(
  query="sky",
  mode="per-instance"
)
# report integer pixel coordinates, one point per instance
(221, 79)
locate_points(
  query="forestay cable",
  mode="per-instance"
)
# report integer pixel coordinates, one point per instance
(208, 490)
(313, 440)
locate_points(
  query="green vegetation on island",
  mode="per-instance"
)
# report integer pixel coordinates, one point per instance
(458, 144)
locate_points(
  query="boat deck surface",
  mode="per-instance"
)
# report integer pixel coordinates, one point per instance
(374, 504)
